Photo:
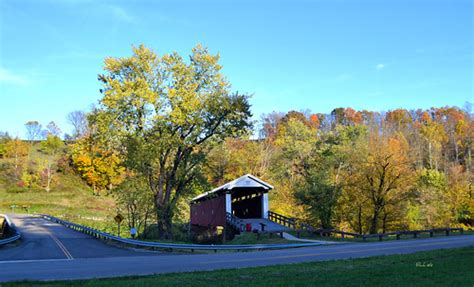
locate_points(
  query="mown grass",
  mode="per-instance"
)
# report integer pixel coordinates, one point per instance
(309, 235)
(253, 238)
(450, 267)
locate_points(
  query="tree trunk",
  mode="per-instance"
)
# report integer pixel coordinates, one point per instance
(359, 218)
(468, 159)
(164, 220)
(429, 154)
(384, 222)
(375, 221)
(456, 150)
(49, 176)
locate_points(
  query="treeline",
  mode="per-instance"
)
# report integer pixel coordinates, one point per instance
(357, 171)
(167, 129)
(361, 171)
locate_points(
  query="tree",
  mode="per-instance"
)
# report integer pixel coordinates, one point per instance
(236, 157)
(4, 139)
(430, 208)
(33, 130)
(53, 129)
(78, 120)
(136, 199)
(100, 167)
(51, 146)
(16, 149)
(384, 178)
(294, 143)
(321, 187)
(270, 123)
(167, 114)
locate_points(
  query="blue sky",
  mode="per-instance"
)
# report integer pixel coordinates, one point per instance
(291, 55)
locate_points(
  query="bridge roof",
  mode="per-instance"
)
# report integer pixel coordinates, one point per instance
(246, 181)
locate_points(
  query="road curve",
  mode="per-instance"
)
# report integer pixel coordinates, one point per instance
(45, 240)
(140, 264)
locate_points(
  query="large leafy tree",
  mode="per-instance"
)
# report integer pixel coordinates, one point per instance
(101, 168)
(165, 114)
(384, 178)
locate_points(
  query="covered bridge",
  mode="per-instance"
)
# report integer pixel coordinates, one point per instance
(244, 199)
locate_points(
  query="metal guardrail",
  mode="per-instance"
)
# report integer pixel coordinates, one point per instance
(170, 246)
(16, 235)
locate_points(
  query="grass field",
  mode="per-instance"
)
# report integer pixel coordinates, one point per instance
(70, 198)
(308, 235)
(73, 200)
(252, 238)
(450, 267)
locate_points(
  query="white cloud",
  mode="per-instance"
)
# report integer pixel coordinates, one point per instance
(380, 67)
(344, 77)
(121, 13)
(9, 77)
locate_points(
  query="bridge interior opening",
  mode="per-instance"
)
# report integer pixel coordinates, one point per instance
(247, 203)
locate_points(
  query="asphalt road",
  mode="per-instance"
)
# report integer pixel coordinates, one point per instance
(42, 239)
(110, 262)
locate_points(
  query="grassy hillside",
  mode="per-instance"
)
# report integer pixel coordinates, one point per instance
(69, 197)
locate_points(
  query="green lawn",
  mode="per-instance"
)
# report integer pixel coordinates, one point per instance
(253, 238)
(451, 267)
(70, 199)
(308, 235)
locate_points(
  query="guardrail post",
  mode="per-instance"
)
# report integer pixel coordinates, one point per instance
(447, 232)
(398, 236)
(380, 237)
(431, 233)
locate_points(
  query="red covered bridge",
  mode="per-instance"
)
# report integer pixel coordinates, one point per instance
(244, 199)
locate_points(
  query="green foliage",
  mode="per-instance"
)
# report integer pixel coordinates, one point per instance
(163, 114)
(51, 145)
(135, 200)
(4, 139)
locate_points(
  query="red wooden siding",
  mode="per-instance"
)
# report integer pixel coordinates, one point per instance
(209, 212)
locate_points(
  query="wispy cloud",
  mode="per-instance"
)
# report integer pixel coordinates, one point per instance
(120, 13)
(9, 77)
(344, 77)
(380, 67)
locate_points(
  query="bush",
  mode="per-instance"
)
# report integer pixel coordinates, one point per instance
(17, 189)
